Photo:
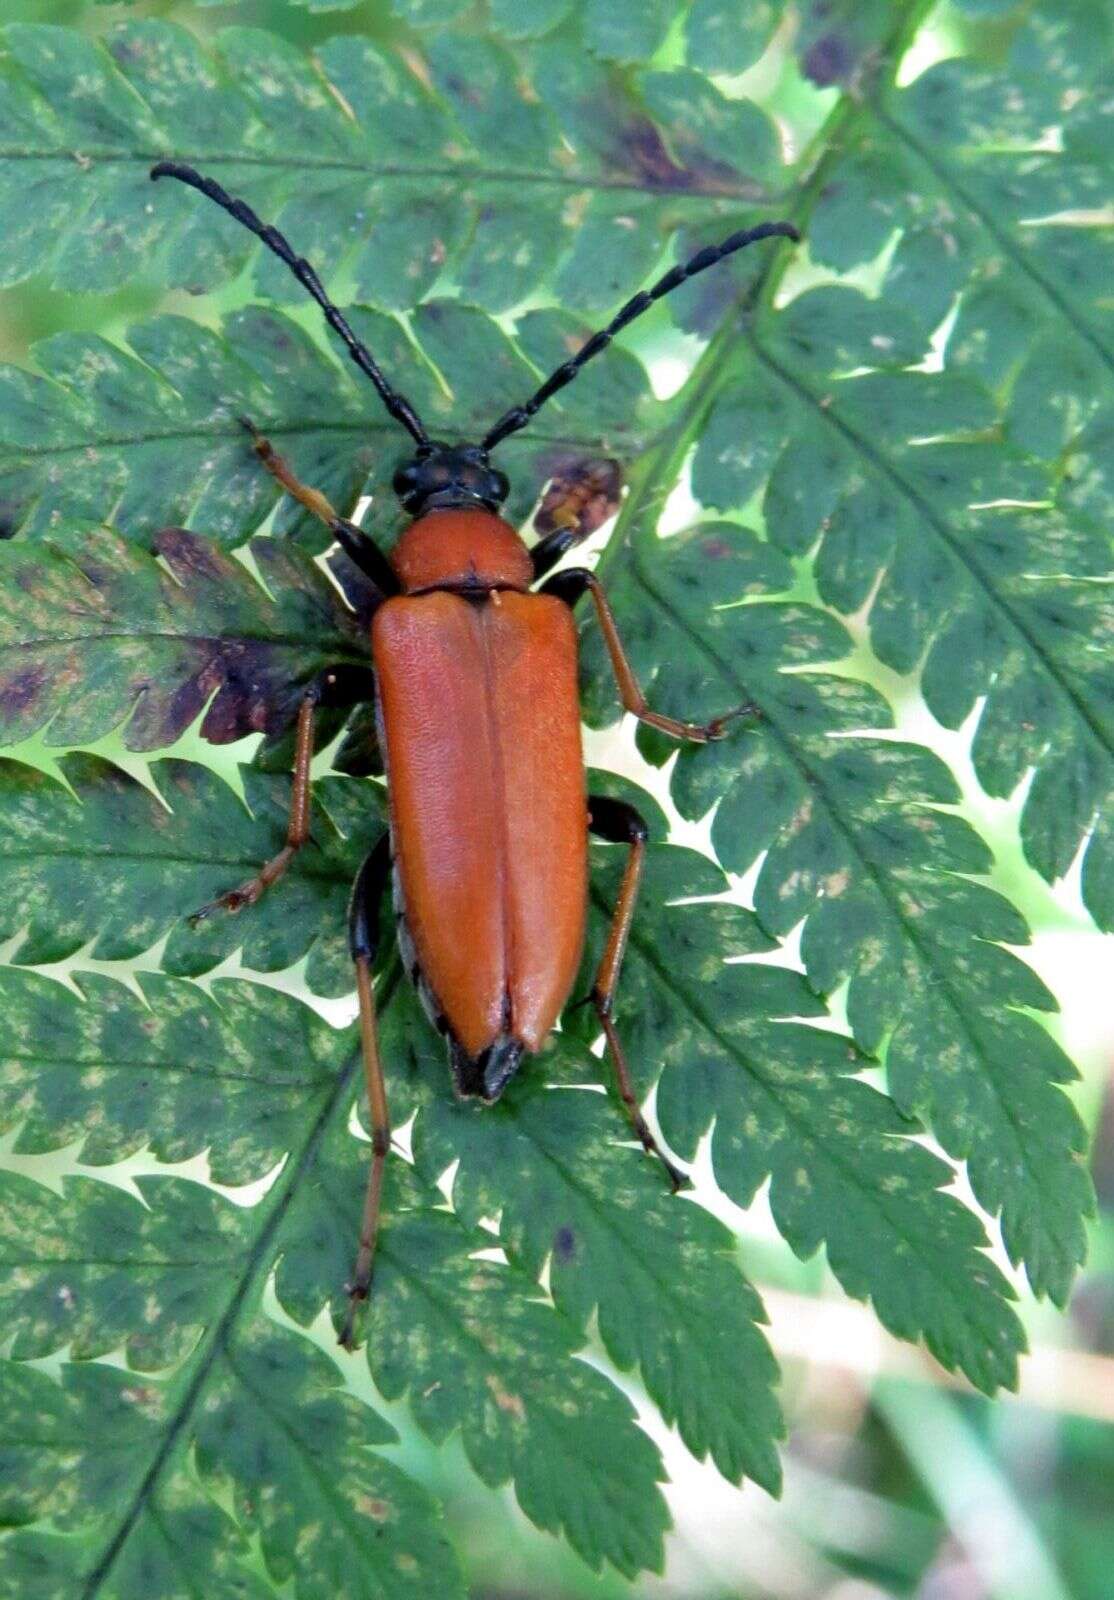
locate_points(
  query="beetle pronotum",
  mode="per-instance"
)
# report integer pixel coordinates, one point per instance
(479, 718)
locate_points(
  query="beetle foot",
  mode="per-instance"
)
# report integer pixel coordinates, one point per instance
(356, 1297)
(232, 901)
(678, 1180)
(717, 728)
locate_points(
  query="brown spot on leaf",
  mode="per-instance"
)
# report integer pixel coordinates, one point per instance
(584, 491)
(139, 1395)
(643, 152)
(190, 557)
(506, 1401)
(715, 549)
(21, 691)
(377, 1510)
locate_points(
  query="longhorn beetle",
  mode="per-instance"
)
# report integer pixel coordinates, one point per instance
(479, 722)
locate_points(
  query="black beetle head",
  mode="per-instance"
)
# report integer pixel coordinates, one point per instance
(448, 475)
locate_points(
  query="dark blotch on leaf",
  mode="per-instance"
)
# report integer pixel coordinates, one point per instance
(830, 60)
(9, 518)
(124, 51)
(188, 554)
(564, 1244)
(643, 154)
(584, 491)
(715, 549)
(23, 690)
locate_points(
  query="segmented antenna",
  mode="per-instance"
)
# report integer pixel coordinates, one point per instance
(519, 416)
(397, 404)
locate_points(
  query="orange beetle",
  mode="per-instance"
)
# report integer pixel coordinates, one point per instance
(479, 722)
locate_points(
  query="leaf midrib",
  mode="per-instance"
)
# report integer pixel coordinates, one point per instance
(694, 188)
(237, 864)
(288, 641)
(132, 1263)
(274, 430)
(188, 1068)
(276, 1203)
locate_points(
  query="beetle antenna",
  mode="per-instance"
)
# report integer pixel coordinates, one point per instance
(519, 416)
(397, 404)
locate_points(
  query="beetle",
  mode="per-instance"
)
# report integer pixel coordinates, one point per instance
(477, 707)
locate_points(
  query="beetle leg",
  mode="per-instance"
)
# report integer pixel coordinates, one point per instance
(548, 551)
(297, 828)
(358, 546)
(569, 586)
(363, 940)
(620, 823)
(278, 466)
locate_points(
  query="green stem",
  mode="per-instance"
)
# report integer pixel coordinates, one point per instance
(658, 471)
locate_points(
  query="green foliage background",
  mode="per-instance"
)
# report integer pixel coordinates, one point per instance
(886, 473)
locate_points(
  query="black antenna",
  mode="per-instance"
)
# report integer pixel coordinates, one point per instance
(519, 416)
(397, 404)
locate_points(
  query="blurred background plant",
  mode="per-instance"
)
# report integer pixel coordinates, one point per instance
(899, 1482)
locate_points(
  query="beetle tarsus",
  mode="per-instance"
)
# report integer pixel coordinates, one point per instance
(678, 1180)
(232, 900)
(717, 728)
(356, 1298)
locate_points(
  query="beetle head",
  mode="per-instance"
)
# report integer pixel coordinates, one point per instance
(453, 476)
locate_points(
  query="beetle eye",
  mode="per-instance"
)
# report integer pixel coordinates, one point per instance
(404, 480)
(501, 484)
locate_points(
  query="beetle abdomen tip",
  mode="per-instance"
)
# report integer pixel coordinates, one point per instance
(486, 1075)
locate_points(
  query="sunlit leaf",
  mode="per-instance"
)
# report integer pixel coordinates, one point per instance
(906, 421)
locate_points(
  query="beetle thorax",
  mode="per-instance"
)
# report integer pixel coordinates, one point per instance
(468, 550)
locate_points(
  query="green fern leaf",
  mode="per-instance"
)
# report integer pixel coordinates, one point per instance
(930, 452)
(856, 845)
(102, 1457)
(66, 881)
(616, 1245)
(94, 632)
(845, 1173)
(473, 1349)
(120, 1076)
(258, 1406)
(402, 177)
(785, 1105)
(165, 419)
(676, 1252)
(471, 1339)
